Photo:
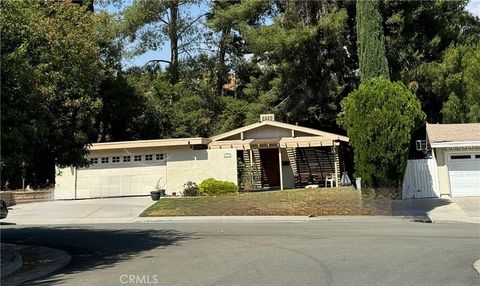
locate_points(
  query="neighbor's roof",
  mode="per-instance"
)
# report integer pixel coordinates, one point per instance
(311, 131)
(150, 143)
(453, 135)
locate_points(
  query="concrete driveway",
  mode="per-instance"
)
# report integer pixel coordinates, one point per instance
(470, 205)
(111, 210)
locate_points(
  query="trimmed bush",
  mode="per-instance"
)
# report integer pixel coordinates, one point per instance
(212, 187)
(380, 117)
(190, 189)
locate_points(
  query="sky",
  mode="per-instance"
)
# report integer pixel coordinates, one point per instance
(164, 53)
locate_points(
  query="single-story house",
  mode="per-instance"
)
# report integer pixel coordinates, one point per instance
(456, 150)
(278, 155)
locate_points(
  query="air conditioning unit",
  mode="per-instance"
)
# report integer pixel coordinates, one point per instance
(421, 145)
(267, 117)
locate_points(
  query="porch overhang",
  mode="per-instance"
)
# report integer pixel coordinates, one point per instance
(286, 142)
(303, 142)
(229, 144)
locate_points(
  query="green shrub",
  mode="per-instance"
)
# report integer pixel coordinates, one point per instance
(380, 117)
(190, 189)
(212, 187)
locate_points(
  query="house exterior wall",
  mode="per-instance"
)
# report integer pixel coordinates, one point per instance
(288, 176)
(180, 164)
(64, 183)
(198, 165)
(267, 132)
(442, 171)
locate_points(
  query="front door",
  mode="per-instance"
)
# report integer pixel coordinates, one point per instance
(270, 172)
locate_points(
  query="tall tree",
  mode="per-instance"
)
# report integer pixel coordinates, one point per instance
(307, 51)
(225, 19)
(154, 22)
(51, 71)
(453, 83)
(370, 41)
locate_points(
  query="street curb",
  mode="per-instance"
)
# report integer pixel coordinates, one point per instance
(38, 261)
(261, 219)
(15, 264)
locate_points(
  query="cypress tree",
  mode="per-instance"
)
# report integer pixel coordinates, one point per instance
(370, 41)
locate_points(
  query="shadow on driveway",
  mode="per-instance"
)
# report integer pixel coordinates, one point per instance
(93, 248)
(417, 207)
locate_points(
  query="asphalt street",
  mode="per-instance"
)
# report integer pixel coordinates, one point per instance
(390, 252)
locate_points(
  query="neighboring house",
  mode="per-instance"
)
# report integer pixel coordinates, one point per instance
(277, 155)
(452, 164)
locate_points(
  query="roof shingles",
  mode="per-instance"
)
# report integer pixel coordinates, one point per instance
(465, 132)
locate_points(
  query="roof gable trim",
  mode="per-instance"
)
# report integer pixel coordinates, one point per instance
(280, 125)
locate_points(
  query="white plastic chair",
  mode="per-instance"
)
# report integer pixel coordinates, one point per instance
(330, 179)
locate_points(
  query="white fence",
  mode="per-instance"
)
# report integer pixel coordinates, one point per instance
(421, 179)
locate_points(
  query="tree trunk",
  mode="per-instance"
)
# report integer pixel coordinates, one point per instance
(173, 69)
(221, 69)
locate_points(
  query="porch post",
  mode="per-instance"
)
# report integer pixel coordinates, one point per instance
(280, 166)
(251, 157)
(336, 158)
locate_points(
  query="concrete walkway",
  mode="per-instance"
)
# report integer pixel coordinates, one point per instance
(111, 210)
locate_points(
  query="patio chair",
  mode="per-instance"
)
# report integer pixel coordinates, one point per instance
(330, 179)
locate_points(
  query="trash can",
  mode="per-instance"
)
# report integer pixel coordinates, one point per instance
(358, 183)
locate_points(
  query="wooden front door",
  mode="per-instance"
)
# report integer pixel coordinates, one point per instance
(270, 172)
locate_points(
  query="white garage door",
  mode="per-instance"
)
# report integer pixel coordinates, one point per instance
(464, 173)
(117, 178)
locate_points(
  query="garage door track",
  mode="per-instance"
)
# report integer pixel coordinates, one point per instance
(111, 210)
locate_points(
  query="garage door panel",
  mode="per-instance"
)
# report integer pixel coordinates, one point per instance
(464, 174)
(110, 182)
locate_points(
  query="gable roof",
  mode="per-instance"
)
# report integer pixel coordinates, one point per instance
(311, 131)
(453, 135)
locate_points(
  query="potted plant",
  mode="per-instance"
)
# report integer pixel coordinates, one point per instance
(159, 191)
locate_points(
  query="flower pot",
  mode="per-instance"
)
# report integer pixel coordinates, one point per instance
(155, 195)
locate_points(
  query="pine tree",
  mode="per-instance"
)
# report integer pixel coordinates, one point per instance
(371, 42)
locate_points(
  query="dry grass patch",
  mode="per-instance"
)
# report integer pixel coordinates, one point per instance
(300, 202)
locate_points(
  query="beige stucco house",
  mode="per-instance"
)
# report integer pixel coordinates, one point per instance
(278, 155)
(456, 153)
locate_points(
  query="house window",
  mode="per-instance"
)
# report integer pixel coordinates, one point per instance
(115, 159)
(477, 156)
(105, 160)
(93, 160)
(458, 157)
(127, 158)
(137, 158)
(149, 157)
(160, 157)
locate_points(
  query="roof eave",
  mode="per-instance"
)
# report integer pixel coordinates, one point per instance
(455, 144)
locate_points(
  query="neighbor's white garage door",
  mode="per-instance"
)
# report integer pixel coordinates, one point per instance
(464, 173)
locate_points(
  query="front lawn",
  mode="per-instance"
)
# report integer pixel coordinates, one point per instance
(300, 202)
